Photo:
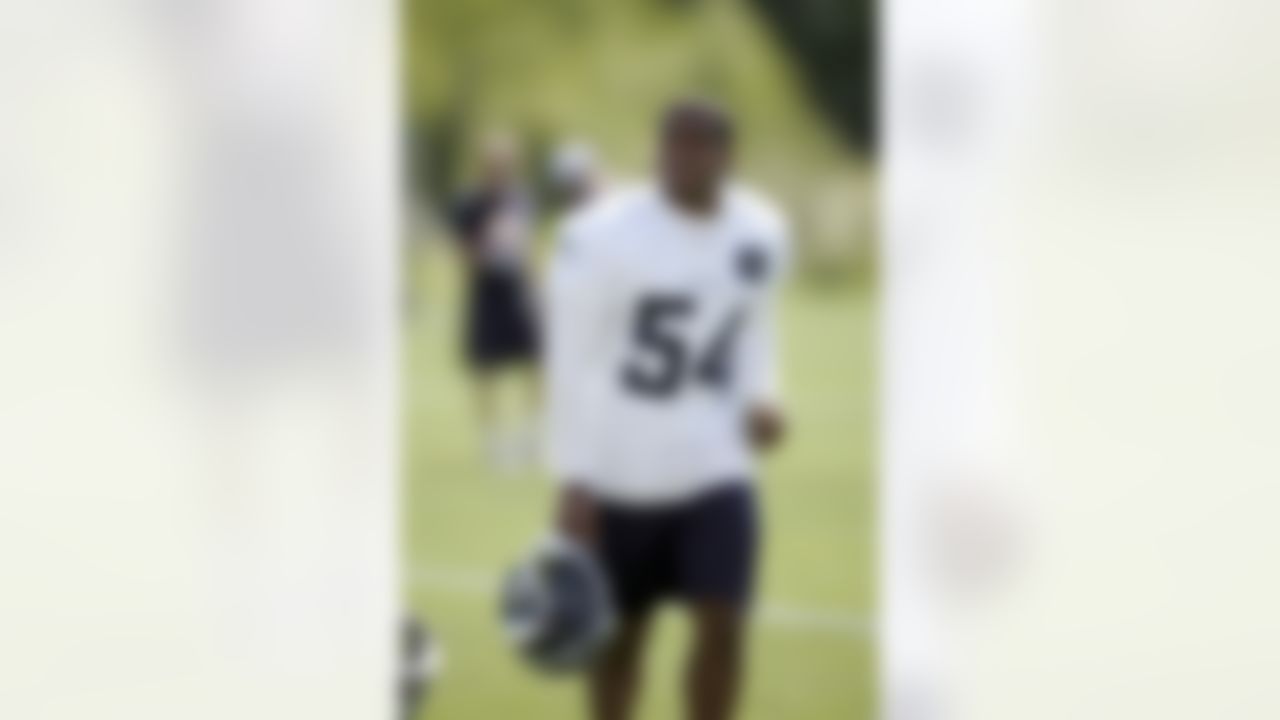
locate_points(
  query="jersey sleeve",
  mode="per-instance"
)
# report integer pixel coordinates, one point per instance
(762, 377)
(575, 302)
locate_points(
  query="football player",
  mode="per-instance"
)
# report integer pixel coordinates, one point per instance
(494, 224)
(662, 385)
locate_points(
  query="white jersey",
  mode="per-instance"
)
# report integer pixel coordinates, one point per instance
(659, 339)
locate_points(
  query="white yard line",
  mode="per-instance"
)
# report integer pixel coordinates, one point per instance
(784, 616)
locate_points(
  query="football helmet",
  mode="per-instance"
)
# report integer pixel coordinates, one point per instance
(556, 606)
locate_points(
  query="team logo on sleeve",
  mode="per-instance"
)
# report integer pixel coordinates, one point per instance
(752, 264)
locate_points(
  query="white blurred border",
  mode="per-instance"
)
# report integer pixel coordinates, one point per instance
(1079, 359)
(198, 379)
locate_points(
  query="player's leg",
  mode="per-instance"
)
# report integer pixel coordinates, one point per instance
(631, 544)
(716, 661)
(484, 385)
(525, 350)
(717, 556)
(617, 676)
(530, 380)
(526, 431)
(507, 342)
(482, 361)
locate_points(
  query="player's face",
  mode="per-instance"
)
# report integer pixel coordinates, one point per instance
(695, 156)
(499, 165)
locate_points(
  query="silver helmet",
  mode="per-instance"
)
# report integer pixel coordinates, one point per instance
(556, 607)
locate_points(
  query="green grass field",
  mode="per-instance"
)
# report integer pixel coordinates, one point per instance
(812, 652)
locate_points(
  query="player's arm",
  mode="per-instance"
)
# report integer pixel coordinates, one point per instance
(573, 322)
(467, 219)
(576, 514)
(765, 421)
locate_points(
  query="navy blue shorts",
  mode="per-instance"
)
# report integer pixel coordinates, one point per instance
(701, 550)
(501, 327)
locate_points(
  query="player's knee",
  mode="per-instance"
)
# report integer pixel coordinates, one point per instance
(721, 630)
(624, 650)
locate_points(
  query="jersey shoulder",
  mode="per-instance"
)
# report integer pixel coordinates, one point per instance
(764, 229)
(596, 227)
(761, 214)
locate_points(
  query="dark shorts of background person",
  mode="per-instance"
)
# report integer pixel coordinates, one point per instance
(704, 549)
(501, 328)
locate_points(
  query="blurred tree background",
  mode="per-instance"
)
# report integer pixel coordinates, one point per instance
(798, 73)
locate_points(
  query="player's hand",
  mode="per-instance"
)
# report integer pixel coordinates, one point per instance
(576, 517)
(766, 427)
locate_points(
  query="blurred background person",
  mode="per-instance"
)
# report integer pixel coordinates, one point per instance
(493, 222)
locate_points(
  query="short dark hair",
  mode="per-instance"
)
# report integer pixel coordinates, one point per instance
(708, 112)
